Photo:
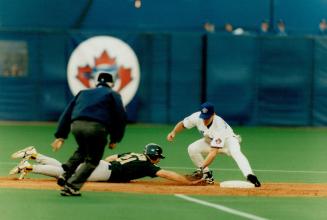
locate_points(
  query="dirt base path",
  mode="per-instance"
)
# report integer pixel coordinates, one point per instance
(166, 187)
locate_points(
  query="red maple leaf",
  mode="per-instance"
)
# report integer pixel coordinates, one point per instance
(84, 75)
(125, 77)
(105, 59)
(124, 74)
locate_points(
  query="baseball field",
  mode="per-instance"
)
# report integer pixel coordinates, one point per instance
(290, 162)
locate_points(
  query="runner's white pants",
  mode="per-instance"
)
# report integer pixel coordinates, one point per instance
(51, 167)
(199, 150)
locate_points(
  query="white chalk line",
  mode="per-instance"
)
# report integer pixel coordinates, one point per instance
(221, 208)
(256, 170)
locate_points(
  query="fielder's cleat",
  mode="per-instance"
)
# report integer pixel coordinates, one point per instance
(208, 177)
(23, 168)
(27, 153)
(253, 179)
(69, 191)
(197, 174)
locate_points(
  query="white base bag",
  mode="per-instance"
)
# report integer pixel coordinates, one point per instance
(236, 184)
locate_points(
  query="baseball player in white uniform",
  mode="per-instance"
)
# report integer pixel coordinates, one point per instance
(218, 137)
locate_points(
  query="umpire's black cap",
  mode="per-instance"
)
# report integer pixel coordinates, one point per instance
(105, 77)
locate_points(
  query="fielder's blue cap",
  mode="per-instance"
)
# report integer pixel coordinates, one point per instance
(207, 110)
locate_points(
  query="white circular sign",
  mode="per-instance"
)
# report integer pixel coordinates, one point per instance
(104, 54)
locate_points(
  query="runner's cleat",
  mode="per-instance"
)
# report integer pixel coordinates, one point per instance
(23, 168)
(27, 153)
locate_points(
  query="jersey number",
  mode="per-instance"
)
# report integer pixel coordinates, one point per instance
(130, 157)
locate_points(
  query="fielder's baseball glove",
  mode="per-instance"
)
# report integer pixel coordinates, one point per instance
(196, 175)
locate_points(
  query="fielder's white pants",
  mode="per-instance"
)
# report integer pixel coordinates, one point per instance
(51, 167)
(199, 150)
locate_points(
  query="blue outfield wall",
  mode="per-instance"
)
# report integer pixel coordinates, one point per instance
(284, 81)
(230, 77)
(185, 75)
(251, 80)
(261, 80)
(52, 62)
(319, 98)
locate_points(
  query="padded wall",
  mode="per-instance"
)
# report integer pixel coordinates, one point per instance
(251, 80)
(52, 56)
(19, 96)
(284, 81)
(185, 75)
(41, 94)
(320, 83)
(230, 76)
(262, 80)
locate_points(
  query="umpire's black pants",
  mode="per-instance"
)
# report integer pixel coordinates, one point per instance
(91, 138)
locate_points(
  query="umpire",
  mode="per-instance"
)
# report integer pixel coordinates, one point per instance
(91, 116)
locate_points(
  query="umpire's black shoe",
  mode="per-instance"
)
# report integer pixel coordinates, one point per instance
(61, 181)
(69, 191)
(253, 179)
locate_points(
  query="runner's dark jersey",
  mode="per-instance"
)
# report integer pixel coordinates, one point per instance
(130, 166)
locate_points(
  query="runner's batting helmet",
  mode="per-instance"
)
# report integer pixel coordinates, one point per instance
(153, 151)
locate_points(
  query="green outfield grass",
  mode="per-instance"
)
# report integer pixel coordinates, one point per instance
(276, 155)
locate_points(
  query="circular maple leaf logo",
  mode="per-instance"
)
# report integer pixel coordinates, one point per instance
(104, 54)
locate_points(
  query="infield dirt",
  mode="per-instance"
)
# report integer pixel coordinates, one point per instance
(167, 187)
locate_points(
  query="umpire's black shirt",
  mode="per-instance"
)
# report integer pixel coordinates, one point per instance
(100, 104)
